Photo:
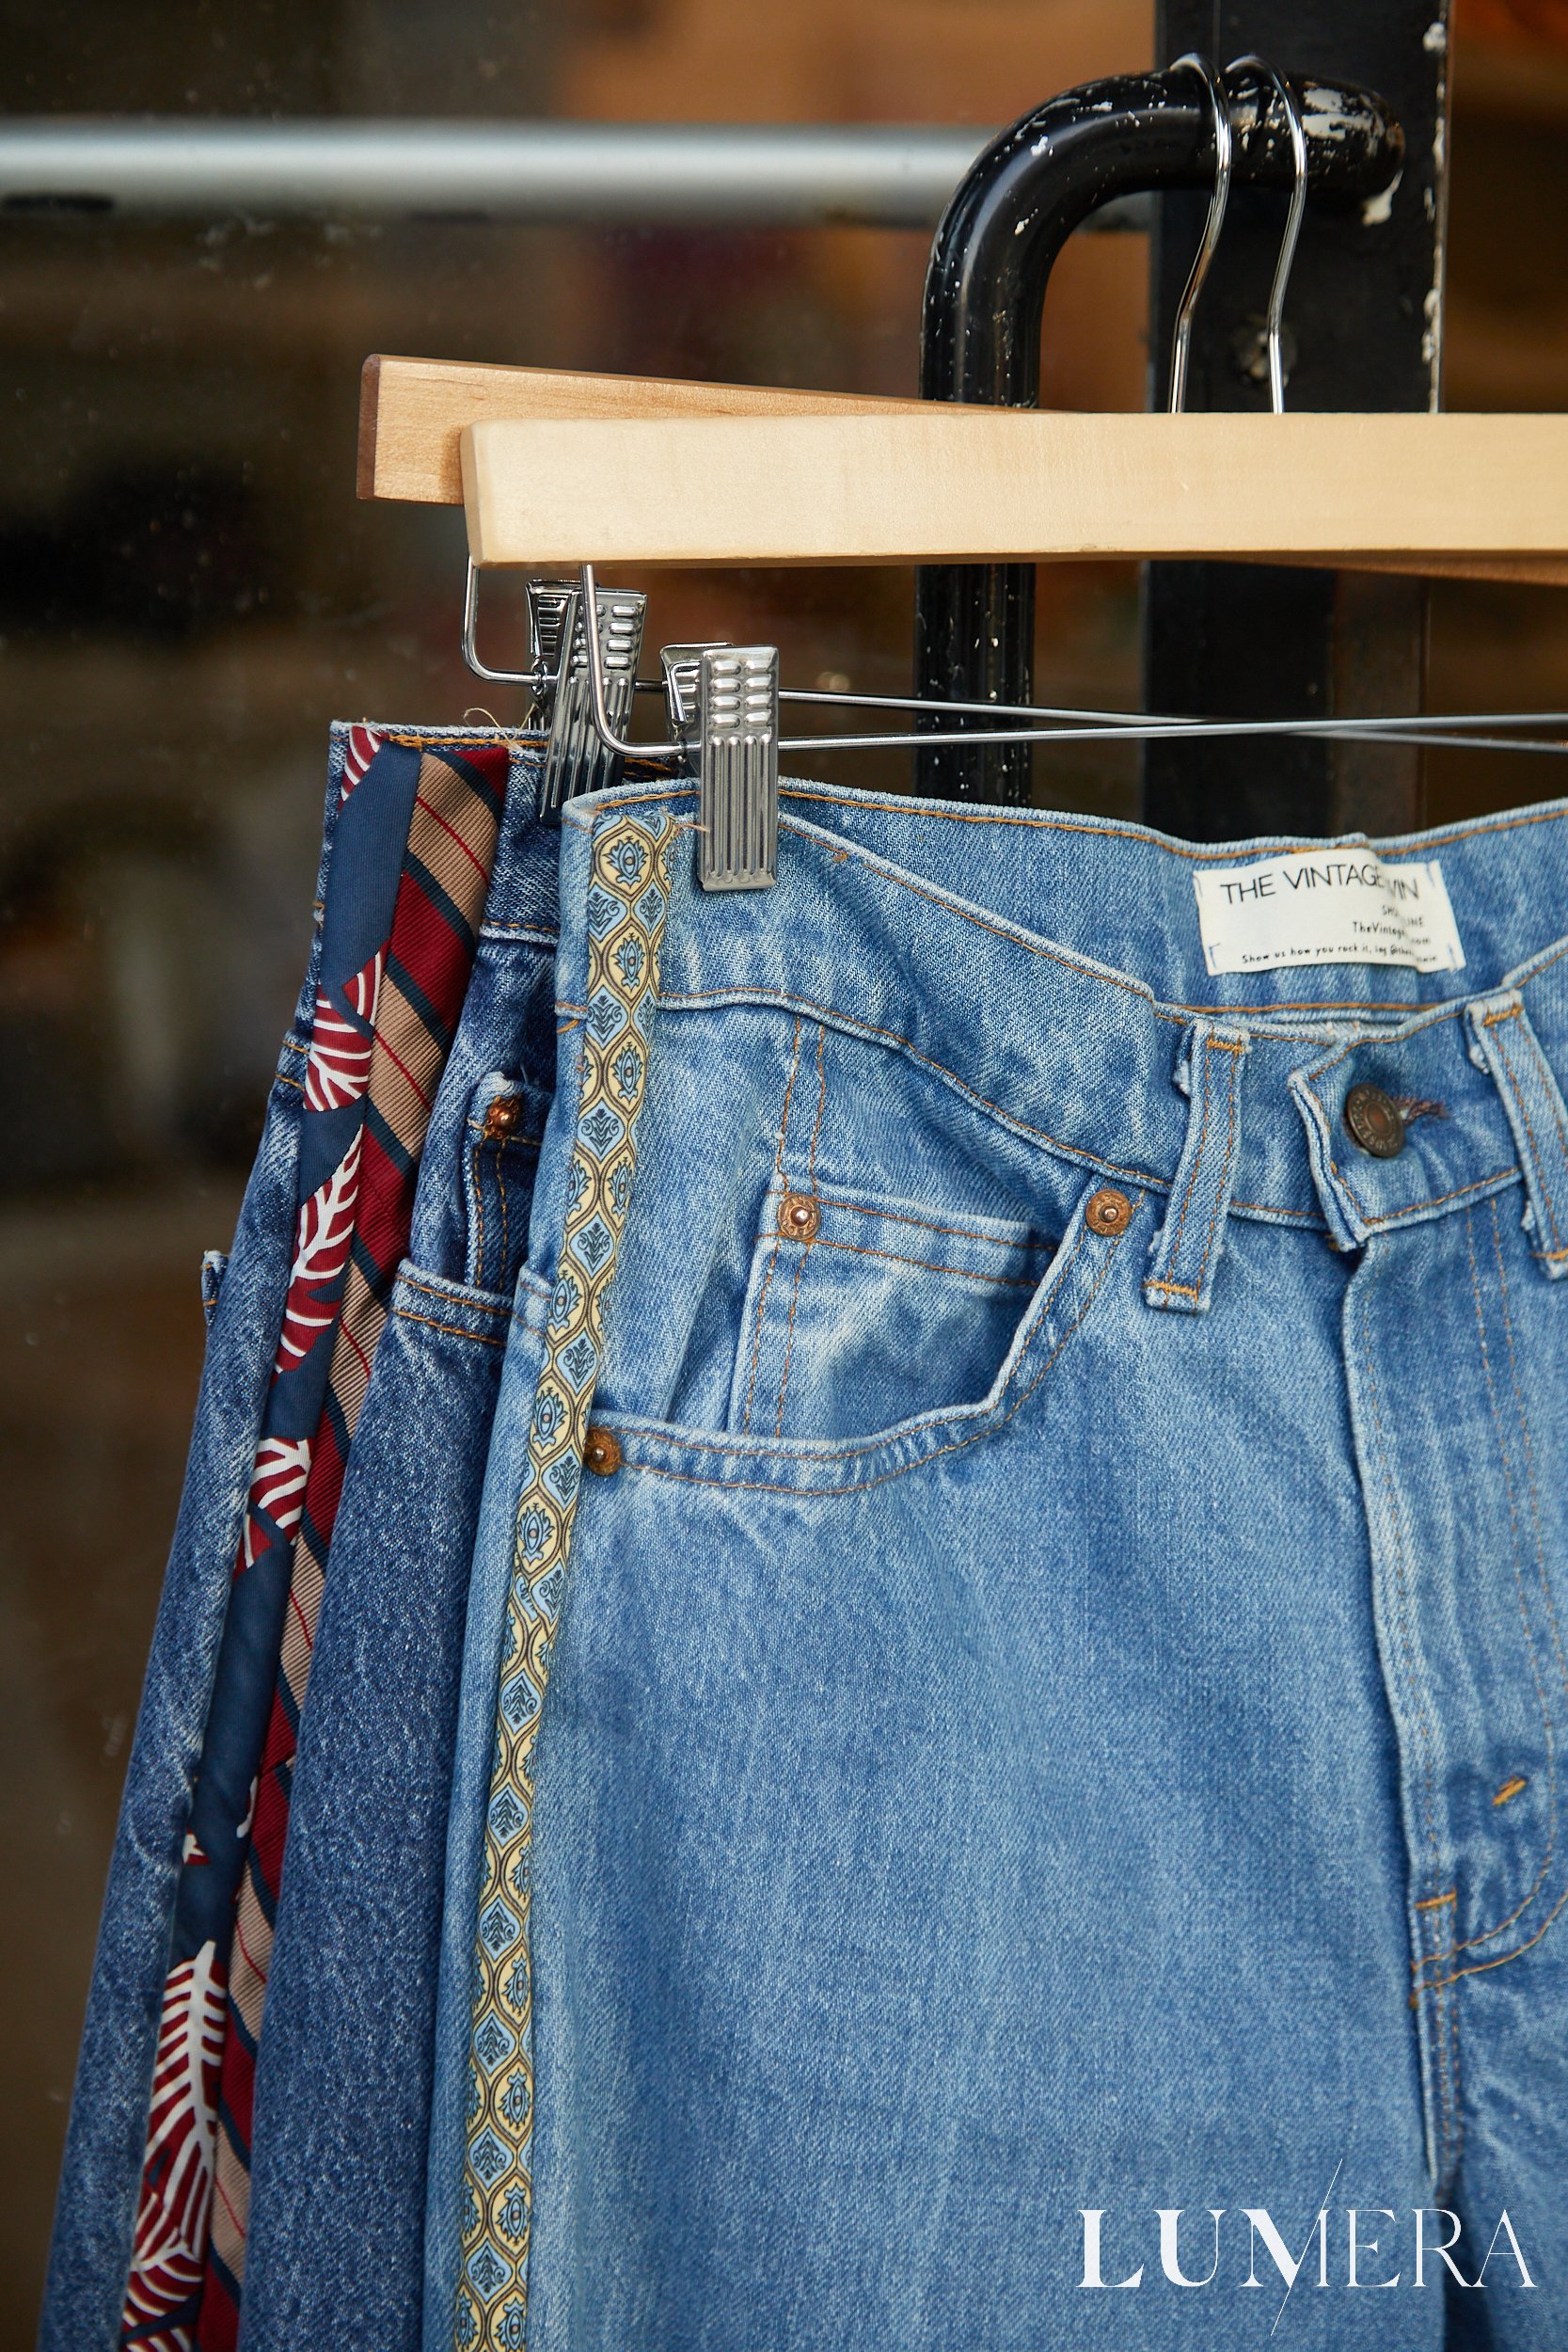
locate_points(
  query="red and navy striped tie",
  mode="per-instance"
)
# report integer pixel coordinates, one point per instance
(440, 899)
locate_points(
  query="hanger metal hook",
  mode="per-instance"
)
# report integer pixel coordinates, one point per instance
(598, 707)
(534, 678)
(1224, 151)
(1276, 326)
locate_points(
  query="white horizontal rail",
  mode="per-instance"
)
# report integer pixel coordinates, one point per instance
(638, 175)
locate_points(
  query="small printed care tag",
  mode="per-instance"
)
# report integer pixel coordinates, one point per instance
(1327, 906)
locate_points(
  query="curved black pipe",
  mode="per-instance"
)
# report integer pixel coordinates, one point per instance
(984, 292)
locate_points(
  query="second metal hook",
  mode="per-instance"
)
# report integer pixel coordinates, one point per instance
(1275, 323)
(1224, 151)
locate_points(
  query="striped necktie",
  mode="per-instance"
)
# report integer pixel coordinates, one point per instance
(440, 899)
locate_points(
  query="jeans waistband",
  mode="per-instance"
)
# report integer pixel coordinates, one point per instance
(902, 921)
(521, 900)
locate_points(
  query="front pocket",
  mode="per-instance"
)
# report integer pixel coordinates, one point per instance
(862, 1313)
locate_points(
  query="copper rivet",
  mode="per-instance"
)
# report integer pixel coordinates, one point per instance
(502, 1116)
(798, 1216)
(1375, 1120)
(602, 1452)
(1109, 1210)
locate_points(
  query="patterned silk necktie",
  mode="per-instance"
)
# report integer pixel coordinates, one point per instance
(446, 871)
(626, 905)
(376, 783)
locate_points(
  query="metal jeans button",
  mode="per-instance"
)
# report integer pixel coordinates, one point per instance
(1375, 1121)
(1108, 1211)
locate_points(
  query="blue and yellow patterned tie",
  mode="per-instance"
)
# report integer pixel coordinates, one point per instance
(626, 905)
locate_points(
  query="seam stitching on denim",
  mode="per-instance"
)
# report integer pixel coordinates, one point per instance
(926, 1265)
(506, 1213)
(1554, 1103)
(922, 1223)
(1222, 1189)
(674, 787)
(1200, 1079)
(1551, 1611)
(996, 1422)
(927, 1061)
(428, 1290)
(773, 1257)
(1517, 1091)
(1402, 1594)
(1484, 1935)
(455, 1331)
(478, 1190)
(800, 1263)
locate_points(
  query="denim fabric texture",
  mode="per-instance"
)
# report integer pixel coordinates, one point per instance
(337, 2216)
(1052, 1734)
(242, 1296)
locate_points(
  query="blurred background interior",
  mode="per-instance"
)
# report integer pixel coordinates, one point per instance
(189, 592)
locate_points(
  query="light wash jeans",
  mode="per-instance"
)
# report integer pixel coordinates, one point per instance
(1048, 1802)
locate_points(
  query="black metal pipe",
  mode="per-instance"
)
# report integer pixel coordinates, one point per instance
(985, 293)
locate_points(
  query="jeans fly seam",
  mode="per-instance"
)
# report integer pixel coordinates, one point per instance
(800, 1263)
(1423, 1724)
(1401, 1596)
(506, 1213)
(1485, 1935)
(1500, 1960)
(997, 1421)
(1458, 2103)
(773, 1258)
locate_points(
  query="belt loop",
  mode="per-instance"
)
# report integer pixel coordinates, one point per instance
(1187, 1249)
(1504, 1044)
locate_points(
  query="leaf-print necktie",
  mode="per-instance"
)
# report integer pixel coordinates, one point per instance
(446, 873)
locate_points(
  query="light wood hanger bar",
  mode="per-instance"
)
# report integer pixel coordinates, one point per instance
(944, 484)
(412, 412)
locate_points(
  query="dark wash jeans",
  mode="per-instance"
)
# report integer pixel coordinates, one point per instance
(502, 1051)
(1055, 1715)
(337, 2216)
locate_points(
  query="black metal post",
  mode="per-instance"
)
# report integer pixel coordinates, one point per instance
(984, 290)
(1363, 325)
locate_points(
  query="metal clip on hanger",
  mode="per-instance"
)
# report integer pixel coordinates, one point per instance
(723, 703)
(598, 680)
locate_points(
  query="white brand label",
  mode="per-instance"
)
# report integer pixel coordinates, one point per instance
(1327, 906)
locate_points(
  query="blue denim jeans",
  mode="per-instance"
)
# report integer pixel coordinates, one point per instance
(342, 2095)
(1047, 1804)
(242, 1294)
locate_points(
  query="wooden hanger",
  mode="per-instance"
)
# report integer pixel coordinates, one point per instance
(555, 467)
